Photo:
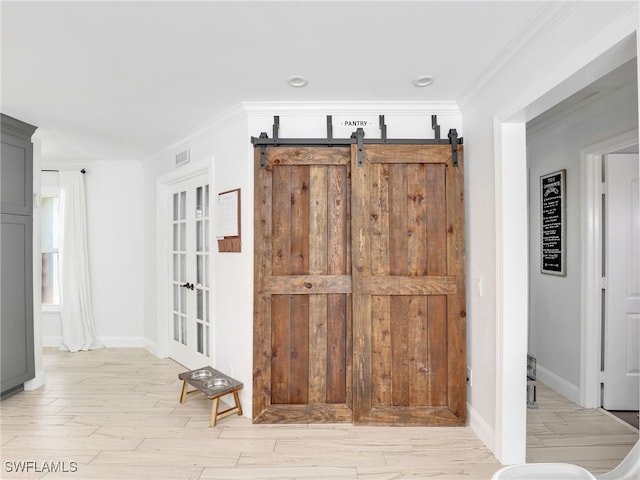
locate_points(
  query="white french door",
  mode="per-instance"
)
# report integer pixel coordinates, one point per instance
(190, 322)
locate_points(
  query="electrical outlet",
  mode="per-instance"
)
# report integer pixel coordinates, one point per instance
(469, 377)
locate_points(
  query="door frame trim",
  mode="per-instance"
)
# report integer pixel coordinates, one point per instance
(163, 185)
(512, 279)
(591, 241)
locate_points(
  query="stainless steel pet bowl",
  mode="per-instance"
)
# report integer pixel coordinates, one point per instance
(216, 383)
(201, 374)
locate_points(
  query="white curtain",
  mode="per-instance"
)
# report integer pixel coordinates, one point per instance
(78, 325)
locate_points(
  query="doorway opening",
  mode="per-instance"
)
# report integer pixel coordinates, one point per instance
(569, 342)
(593, 262)
(512, 264)
(614, 385)
(621, 289)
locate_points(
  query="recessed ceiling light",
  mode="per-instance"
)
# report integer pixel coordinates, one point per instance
(423, 81)
(297, 81)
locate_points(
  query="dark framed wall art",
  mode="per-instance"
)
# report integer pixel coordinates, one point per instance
(553, 223)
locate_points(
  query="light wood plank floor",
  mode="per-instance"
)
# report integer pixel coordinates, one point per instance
(561, 431)
(114, 414)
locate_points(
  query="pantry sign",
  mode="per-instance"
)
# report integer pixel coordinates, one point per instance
(345, 125)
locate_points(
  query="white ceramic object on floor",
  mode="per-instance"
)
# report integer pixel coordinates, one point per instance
(541, 471)
(629, 468)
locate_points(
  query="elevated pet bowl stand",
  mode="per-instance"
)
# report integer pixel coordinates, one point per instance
(213, 384)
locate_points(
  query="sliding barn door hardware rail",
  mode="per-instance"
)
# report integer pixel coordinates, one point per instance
(383, 128)
(359, 134)
(276, 127)
(435, 127)
(357, 138)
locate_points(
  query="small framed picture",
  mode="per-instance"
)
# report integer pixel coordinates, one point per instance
(228, 218)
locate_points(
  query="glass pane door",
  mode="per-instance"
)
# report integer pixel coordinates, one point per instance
(202, 270)
(179, 253)
(190, 322)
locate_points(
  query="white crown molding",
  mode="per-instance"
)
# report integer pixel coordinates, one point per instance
(579, 101)
(589, 97)
(342, 108)
(87, 164)
(543, 22)
(211, 124)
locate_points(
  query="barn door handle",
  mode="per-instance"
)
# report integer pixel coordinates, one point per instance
(188, 285)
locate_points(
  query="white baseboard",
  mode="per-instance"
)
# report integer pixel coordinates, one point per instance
(559, 384)
(481, 428)
(109, 342)
(53, 341)
(153, 348)
(36, 382)
(123, 342)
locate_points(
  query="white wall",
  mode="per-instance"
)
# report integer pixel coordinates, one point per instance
(116, 244)
(40, 376)
(554, 313)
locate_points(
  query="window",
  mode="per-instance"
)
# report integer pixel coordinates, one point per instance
(50, 244)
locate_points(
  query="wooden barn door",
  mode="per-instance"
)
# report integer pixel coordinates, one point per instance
(408, 286)
(302, 325)
(359, 286)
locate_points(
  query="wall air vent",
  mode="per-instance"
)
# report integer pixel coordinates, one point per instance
(182, 158)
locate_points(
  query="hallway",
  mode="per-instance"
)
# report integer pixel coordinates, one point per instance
(561, 431)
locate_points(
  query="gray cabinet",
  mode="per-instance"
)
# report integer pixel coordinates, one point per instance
(16, 254)
(17, 301)
(16, 161)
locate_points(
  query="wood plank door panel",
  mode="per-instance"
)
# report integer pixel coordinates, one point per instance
(302, 286)
(408, 286)
(359, 286)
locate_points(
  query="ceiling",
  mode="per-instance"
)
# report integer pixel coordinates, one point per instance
(122, 80)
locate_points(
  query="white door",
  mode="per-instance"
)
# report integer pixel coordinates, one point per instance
(622, 271)
(190, 326)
